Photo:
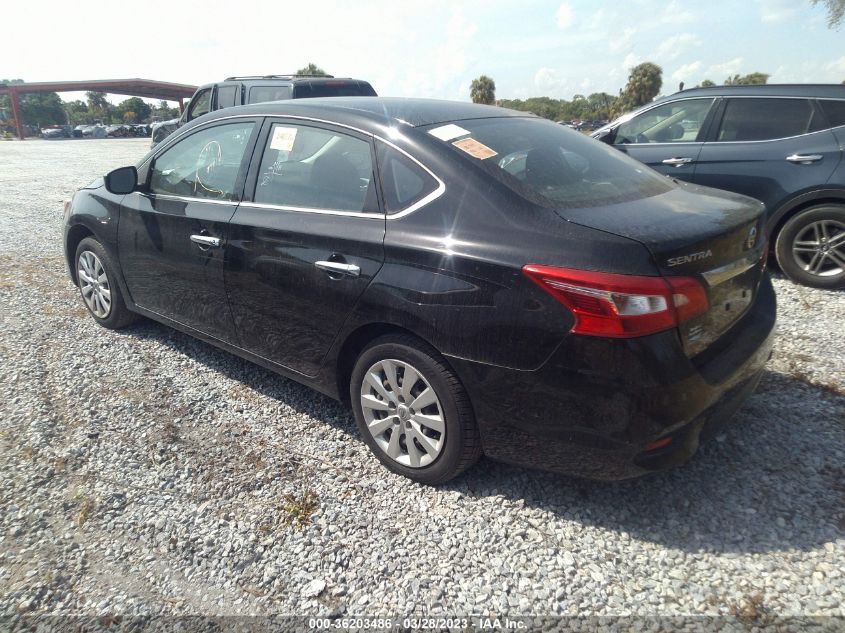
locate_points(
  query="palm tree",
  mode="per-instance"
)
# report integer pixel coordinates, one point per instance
(483, 90)
(97, 104)
(835, 11)
(644, 83)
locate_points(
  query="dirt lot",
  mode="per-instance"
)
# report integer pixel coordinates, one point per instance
(145, 472)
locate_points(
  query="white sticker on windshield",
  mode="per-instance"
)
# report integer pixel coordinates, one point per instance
(283, 138)
(448, 132)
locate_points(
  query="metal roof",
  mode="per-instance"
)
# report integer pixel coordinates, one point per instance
(132, 87)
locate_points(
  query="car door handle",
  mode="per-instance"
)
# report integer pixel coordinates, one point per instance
(677, 162)
(337, 267)
(205, 240)
(804, 159)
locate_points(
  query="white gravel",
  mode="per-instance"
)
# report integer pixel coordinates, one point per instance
(145, 472)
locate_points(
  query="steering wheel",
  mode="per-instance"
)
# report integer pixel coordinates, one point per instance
(208, 160)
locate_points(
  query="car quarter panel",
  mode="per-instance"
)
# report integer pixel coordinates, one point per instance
(453, 269)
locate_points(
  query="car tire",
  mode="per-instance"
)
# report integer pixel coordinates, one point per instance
(96, 277)
(443, 436)
(810, 248)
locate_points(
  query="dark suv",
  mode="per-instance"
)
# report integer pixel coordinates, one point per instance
(781, 144)
(257, 89)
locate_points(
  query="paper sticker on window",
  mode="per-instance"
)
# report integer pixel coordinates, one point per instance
(448, 132)
(474, 148)
(283, 138)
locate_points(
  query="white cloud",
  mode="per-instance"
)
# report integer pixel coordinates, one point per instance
(773, 11)
(672, 47)
(564, 16)
(674, 13)
(548, 82)
(719, 72)
(621, 42)
(631, 60)
(688, 73)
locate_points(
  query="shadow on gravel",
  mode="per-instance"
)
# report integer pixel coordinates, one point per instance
(773, 481)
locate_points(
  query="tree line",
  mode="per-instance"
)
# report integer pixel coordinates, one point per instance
(644, 83)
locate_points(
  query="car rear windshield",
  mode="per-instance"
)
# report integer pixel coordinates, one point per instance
(550, 164)
(333, 89)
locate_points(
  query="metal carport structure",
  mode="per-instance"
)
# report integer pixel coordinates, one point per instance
(130, 87)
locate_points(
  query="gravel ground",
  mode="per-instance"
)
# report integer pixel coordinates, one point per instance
(145, 472)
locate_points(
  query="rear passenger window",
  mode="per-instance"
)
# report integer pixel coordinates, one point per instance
(260, 94)
(404, 182)
(766, 119)
(834, 110)
(226, 96)
(313, 168)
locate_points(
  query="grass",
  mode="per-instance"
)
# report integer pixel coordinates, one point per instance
(298, 510)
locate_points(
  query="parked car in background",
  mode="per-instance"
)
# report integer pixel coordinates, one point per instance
(781, 144)
(257, 89)
(565, 309)
(57, 131)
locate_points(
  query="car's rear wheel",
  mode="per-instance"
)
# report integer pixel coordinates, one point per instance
(95, 276)
(810, 247)
(412, 410)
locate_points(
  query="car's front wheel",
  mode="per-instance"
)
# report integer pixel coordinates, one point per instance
(412, 410)
(810, 247)
(95, 276)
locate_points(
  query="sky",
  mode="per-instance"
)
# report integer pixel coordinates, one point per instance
(428, 48)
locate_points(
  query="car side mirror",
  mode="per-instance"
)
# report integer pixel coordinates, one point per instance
(122, 180)
(605, 136)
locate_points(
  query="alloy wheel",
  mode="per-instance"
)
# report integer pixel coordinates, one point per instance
(94, 284)
(819, 248)
(403, 413)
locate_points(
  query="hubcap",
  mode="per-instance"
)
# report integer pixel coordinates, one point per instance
(94, 284)
(403, 413)
(819, 248)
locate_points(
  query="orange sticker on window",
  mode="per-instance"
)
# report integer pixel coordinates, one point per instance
(474, 148)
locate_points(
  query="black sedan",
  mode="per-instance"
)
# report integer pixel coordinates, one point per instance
(468, 279)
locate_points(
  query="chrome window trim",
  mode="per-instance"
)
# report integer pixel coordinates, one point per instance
(166, 196)
(439, 191)
(281, 207)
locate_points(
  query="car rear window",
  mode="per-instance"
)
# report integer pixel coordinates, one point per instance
(751, 119)
(834, 110)
(550, 164)
(333, 89)
(226, 96)
(260, 94)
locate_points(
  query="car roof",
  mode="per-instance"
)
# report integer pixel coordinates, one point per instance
(836, 91)
(375, 110)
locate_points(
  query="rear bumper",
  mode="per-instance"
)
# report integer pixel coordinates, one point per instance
(595, 404)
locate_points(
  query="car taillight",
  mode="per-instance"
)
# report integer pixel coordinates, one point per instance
(621, 306)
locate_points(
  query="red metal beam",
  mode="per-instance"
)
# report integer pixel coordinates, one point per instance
(16, 112)
(131, 87)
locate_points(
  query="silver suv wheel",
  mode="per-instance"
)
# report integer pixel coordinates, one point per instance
(403, 413)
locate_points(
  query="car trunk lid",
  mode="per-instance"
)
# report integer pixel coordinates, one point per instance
(711, 235)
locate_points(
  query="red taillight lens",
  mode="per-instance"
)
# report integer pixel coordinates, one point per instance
(608, 304)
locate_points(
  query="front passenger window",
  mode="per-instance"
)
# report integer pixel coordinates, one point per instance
(205, 164)
(201, 104)
(676, 122)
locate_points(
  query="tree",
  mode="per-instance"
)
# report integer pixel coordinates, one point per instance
(311, 69)
(707, 83)
(98, 106)
(644, 84)
(483, 90)
(752, 79)
(138, 107)
(835, 11)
